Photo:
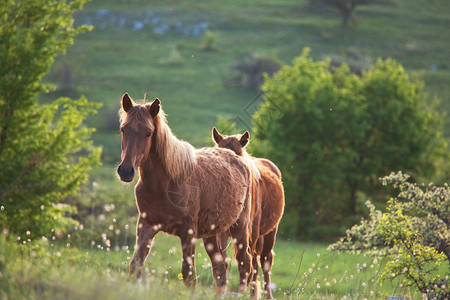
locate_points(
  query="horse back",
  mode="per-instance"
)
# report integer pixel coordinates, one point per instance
(267, 164)
(224, 182)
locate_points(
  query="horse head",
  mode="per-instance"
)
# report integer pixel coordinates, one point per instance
(235, 143)
(137, 128)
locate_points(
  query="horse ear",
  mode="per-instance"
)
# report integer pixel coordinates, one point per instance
(217, 136)
(244, 139)
(127, 103)
(154, 107)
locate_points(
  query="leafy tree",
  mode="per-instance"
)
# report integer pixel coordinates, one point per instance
(347, 7)
(44, 150)
(333, 133)
(413, 232)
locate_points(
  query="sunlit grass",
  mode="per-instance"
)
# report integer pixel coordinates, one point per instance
(56, 269)
(47, 270)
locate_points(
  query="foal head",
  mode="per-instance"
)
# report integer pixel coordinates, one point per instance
(235, 143)
(137, 128)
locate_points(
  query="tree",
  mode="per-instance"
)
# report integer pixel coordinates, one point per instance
(413, 232)
(347, 7)
(44, 149)
(333, 133)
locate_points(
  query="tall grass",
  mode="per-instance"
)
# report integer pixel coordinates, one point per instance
(53, 268)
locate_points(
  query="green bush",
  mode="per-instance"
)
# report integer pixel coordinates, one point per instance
(333, 133)
(209, 40)
(45, 152)
(106, 215)
(173, 58)
(413, 232)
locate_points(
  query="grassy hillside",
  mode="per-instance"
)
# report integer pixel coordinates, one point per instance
(154, 48)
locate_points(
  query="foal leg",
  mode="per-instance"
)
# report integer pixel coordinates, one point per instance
(256, 256)
(219, 266)
(223, 243)
(144, 240)
(267, 260)
(188, 243)
(240, 237)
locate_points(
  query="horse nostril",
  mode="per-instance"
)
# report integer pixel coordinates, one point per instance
(120, 170)
(124, 174)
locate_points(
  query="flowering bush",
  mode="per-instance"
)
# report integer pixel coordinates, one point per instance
(413, 232)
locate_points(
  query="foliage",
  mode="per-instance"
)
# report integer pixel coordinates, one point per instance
(106, 214)
(250, 69)
(414, 232)
(44, 150)
(227, 126)
(209, 40)
(332, 133)
(347, 7)
(173, 58)
(357, 59)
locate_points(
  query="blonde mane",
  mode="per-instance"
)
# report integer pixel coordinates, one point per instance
(178, 157)
(248, 159)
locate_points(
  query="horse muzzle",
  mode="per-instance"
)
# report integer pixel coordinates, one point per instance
(126, 174)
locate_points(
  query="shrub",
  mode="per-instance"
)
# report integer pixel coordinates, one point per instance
(173, 58)
(45, 151)
(250, 69)
(413, 232)
(333, 133)
(209, 40)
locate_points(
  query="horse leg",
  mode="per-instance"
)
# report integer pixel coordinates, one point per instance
(240, 237)
(267, 260)
(144, 240)
(219, 266)
(188, 243)
(223, 243)
(256, 256)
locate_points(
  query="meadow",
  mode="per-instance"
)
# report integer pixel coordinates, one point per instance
(60, 269)
(156, 49)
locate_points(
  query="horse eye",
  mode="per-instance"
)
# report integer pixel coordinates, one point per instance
(121, 129)
(148, 134)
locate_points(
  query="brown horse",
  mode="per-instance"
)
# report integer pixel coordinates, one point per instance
(268, 206)
(183, 191)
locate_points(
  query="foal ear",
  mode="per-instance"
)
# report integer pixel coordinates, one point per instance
(217, 136)
(244, 139)
(127, 103)
(154, 107)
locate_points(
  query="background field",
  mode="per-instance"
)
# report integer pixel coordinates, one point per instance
(165, 59)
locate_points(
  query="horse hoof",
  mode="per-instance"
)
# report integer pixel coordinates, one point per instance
(221, 290)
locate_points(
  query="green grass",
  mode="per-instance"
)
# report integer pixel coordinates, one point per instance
(109, 61)
(65, 269)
